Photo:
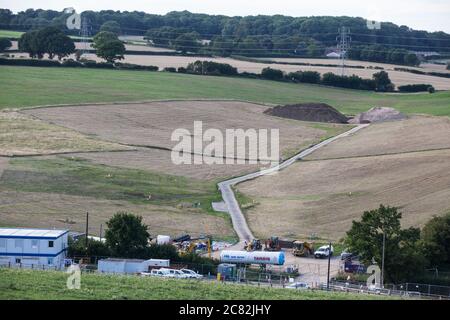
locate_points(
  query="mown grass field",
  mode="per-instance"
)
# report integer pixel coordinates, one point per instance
(30, 86)
(10, 34)
(16, 34)
(50, 285)
(79, 177)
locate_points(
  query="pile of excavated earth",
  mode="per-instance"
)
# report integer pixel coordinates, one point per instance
(314, 112)
(378, 114)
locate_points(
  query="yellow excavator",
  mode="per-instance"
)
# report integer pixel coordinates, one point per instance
(303, 249)
(254, 245)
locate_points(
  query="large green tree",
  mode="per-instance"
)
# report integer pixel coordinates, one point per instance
(108, 46)
(29, 43)
(382, 82)
(436, 241)
(48, 40)
(404, 257)
(126, 235)
(5, 44)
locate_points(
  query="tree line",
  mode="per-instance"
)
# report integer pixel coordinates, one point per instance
(255, 34)
(408, 251)
(379, 53)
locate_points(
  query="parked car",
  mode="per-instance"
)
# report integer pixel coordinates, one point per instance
(157, 273)
(324, 252)
(345, 255)
(191, 274)
(174, 273)
(299, 286)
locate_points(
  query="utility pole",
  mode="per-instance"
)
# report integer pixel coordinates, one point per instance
(84, 35)
(343, 41)
(382, 259)
(329, 265)
(101, 231)
(87, 229)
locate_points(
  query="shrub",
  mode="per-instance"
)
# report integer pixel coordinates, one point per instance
(211, 68)
(170, 69)
(100, 65)
(29, 62)
(272, 74)
(182, 70)
(130, 66)
(416, 88)
(304, 76)
(72, 64)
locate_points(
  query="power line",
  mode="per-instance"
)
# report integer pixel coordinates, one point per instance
(267, 35)
(343, 46)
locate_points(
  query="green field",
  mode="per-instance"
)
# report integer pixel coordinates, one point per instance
(50, 285)
(31, 86)
(73, 176)
(16, 34)
(10, 34)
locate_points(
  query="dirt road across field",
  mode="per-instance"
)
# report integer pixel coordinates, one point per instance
(238, 219)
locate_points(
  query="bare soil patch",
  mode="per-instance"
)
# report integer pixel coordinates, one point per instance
(315, 112)
(44, 210)
(323, 197)
(378, 114)
(414, 134)
(152, 124)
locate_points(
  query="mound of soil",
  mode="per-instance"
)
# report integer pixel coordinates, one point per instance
(314, 112)
(378, 114)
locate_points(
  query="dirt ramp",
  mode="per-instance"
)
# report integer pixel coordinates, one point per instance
(314, 112)
(378, 114)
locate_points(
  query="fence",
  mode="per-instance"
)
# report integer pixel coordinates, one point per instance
(409, 290)
(29, 266)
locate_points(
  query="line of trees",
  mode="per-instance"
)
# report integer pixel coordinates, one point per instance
(379, 53)
(239, 35)
(408, 252)
(49, 40)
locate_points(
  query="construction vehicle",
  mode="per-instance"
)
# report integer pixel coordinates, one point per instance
(276, 244)
(303, 249)
(254, 245)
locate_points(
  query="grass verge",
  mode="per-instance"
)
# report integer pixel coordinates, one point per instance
(51, 285)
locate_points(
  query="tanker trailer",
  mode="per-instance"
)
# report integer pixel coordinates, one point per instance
(254, 257)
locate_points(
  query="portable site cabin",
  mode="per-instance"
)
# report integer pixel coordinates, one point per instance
(33, 248)
(130, 266)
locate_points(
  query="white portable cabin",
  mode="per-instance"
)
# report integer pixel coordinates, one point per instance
(130, 266)
(33, 248)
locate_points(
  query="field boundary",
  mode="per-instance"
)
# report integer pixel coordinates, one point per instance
(378, 155)
(85, 104)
